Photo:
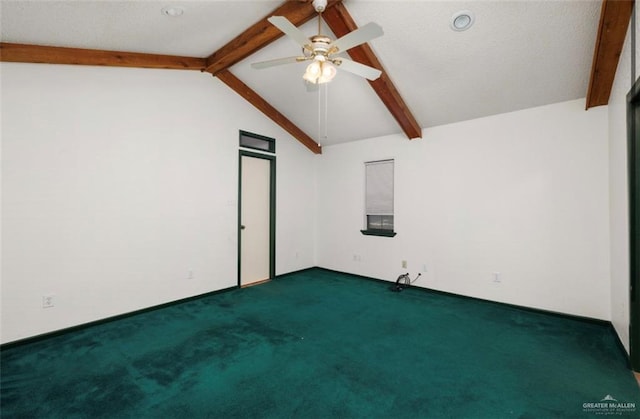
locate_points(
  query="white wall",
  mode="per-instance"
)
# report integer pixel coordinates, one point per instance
(295, 205)
(524, 194)
(619, 220)
(118, 182)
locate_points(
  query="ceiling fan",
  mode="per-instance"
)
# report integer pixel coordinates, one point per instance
(322, 51)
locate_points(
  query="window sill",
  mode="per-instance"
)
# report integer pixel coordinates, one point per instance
(380, 233)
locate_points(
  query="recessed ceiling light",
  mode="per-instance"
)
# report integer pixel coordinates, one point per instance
(462, 20)
(172, 11)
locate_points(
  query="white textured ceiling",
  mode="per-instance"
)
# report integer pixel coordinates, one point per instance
(518, 54)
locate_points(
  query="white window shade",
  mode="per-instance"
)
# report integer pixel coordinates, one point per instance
(379, 187)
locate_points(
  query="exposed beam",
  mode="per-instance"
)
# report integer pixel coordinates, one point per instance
(341, 23)
(24, 53)
(260, 34)
(614, 21)
(263, 106)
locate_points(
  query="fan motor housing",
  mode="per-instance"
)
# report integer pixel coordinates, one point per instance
(320, 44)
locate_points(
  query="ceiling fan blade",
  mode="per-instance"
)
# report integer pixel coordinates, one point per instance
(357, 68)
(364, 34)
(290, 30)
(278, 61)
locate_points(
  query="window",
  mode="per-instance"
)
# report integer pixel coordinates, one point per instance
(379, 198)
(257, 142)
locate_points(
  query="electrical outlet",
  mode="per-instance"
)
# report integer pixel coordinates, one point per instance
(48, 301)
(497, 277)
(404, 264)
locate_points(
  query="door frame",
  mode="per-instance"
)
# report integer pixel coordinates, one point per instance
(633, 168)
(272, 211)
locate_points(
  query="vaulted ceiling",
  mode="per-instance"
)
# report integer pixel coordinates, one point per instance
(518, 54)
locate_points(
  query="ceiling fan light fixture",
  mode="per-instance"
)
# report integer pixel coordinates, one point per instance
(328, 73)
(462, 20)
(319, 72)
(313, 72)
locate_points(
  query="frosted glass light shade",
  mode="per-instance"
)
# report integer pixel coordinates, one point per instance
(319, 72)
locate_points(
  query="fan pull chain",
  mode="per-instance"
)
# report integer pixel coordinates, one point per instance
(319, 114)
(323, 112)
(326, 111)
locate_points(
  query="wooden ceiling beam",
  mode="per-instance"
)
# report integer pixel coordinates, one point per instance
(261, 34)
(24, 53)
(251, 40)
(341, 23)
(263, 106)
(612, 30)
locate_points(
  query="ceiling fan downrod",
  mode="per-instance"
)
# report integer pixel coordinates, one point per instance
(320, 43)
(319, 6)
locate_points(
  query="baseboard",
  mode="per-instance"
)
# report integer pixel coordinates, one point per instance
(299, 271)
(591, 320)
(519, 307)
(620, 345)
(47, 335)
(76, 328)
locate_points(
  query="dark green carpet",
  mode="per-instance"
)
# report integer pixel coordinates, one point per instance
(320, 344)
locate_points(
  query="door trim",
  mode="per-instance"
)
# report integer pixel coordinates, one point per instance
(272, 211)
(633, 168)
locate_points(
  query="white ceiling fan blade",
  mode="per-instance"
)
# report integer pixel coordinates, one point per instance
(290, 30)
(359, 36)
(278, 61)
(358, 69)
